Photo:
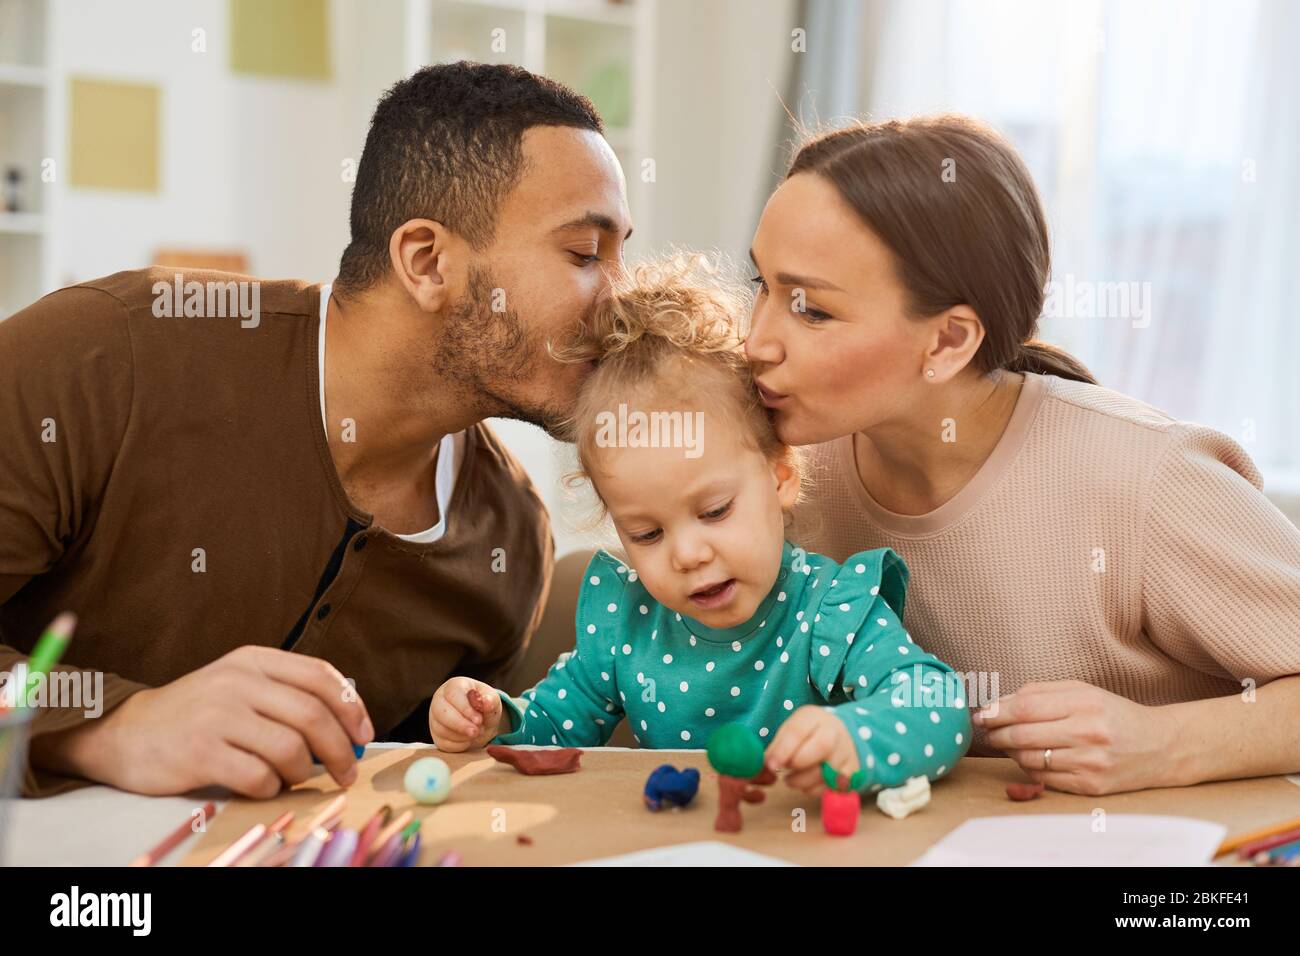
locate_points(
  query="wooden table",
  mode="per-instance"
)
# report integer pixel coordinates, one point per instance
(598, 811)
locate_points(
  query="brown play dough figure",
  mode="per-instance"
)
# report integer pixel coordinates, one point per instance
(538, 762)
(477, 702)
(731, 791)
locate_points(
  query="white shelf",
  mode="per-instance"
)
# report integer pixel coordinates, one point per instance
(22, 223)
(17, 75)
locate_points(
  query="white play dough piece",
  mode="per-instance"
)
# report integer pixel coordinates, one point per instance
(898, 802)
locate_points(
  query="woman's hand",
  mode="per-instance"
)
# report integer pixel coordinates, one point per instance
(455, 723)
(1100, 742)
(810, 736)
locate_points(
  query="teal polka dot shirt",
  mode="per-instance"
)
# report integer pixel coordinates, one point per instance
(827, 634)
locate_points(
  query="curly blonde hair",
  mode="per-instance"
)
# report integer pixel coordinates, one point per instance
(669, 329)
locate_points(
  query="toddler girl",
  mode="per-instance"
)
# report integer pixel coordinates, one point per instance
(712, 617)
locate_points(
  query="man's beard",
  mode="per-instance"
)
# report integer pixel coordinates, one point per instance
(487, 353)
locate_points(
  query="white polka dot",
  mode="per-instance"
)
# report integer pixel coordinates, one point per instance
(686, 735)
(594, 580)
(627, 648)
(622, 569)
(678, 616)
(957, 703)
(871, 762)
(900, 727)
(631, 576)
(533, 712)
(871, 647)
(568, 725)
(844, 607)
(861, 711)
(902, 649)
(941, 770)
(817, 618)
(785, 657)
(622, 696)
(849, 637)
(654, 634)
(929, 750)
(762, 731)
(807, 569)
(799, 616)
(875, 589)
(709, 666)
(735, 692)
(862, 680)
(600, 721)
(959, 738)
(591, 628)
(640, 677)
(860, 568)
(763, 623)
(882, 622)
(830, 689)
(804, 627)
(781, 596)
(709, 712)
(779, 641)
(661, 706)
(758, 665)
(643, 609)
(692, 640)
(684, 687)
(643, 725)
(893, 760)
(824, 651)
(604, 675)
(735, 645)
(562, 694)
(554, 739)
(612, 608)
(668, 658)
(864, 733)
(834, 582)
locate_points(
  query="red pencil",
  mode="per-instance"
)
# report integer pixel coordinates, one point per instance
(173, 839)
(368, 834)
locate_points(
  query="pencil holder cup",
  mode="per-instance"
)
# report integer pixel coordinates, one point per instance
(15, 728)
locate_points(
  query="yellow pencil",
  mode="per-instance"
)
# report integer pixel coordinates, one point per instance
(1233, 843)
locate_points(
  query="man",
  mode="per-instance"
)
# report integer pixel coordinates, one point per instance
(283, 531)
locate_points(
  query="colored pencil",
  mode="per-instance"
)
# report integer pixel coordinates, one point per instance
(340, 849)
(46, 653)
(1237, 842)
(368, 834)
(387, 834)
(175, 838)
(273, 840)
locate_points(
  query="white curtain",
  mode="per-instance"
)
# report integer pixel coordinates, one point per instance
(1165, 139)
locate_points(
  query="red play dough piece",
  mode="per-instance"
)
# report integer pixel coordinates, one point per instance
(1024, 791)
(477, 702)
(840, 811)
(538, 762)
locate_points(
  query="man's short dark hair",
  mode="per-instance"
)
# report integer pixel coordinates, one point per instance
(446, 144)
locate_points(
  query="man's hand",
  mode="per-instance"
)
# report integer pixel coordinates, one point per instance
(249, 721)
(810, 736)
(456, 724)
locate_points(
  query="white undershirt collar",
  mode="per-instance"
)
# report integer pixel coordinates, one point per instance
(449, 450)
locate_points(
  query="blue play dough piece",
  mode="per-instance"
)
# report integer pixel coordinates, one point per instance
(358, 751)
(668, 786)
(428, 780)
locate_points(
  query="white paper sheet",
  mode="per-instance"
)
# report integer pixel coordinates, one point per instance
(1078, 839)
(702, 853)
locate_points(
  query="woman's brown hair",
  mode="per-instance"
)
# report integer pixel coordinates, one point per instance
(955, 204)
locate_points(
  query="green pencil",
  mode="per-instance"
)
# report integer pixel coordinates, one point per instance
(47, 652)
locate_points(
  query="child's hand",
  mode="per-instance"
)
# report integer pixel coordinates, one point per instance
(464, 714)
(810, 736)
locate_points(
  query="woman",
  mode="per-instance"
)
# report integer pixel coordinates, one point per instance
(1118, 575)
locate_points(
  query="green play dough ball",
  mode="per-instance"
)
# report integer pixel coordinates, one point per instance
(428, 780)
(736, 751)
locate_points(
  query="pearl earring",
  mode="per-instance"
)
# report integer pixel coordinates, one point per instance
(929, 373)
